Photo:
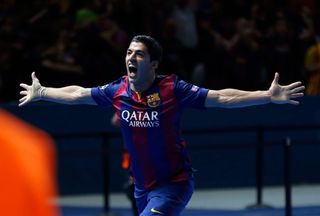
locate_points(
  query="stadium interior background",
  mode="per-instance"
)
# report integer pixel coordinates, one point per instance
(211, 43)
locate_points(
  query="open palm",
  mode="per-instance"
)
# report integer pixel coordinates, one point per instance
(285, 94)
(31, 92)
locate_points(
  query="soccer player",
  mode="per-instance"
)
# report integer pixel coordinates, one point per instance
(149, 107)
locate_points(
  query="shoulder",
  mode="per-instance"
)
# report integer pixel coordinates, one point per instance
(167, 79)
(116, 83)
(172, 81)
(110, 88)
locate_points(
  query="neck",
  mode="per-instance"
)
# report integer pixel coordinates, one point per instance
(142, 86)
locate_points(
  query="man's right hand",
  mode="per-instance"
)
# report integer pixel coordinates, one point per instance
(32, 92)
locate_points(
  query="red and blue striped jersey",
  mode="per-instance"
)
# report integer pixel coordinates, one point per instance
(150, 124)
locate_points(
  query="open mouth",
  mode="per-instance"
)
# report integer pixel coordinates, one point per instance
(132, 70)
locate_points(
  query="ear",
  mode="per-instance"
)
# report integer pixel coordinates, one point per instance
(154, 64)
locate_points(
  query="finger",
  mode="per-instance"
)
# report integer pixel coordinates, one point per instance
(25, 86)
(23, 92)
(276, 78)
(294, 85)
(298, 89)
(21, 103)
(22, 99)
(293, 102)
(33, 76)
(296, 95)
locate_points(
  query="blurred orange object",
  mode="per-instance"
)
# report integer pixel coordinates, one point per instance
(312, 64)
(27, 169)
(125, 160)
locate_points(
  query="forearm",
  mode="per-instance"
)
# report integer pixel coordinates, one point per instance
(66, 95)
(234, 98)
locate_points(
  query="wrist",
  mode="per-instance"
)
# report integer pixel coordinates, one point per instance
(267, 96)
(42, 92)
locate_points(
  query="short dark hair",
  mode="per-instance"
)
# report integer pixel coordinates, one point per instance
(153, 46)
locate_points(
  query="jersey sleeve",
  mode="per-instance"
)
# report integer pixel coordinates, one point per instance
(190, 95)
(102, 95)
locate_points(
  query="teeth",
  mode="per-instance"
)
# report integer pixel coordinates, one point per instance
(132, 68)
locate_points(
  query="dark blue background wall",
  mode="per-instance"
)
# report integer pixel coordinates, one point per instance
(225, 159)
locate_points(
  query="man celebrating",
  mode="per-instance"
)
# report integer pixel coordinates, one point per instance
(149, 107)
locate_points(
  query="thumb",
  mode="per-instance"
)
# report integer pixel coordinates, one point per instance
(276, 78)
(33, 76)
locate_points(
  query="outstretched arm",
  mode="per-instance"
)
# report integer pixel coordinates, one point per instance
(65, 95)
(233, 98)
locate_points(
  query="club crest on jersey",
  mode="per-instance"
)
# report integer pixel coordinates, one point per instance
(153, 100)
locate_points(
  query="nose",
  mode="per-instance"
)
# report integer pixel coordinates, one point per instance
(132, 56)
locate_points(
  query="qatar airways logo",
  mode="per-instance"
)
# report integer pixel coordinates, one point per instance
(140, 118)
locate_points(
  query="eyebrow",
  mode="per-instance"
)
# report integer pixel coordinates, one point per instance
(137, 51)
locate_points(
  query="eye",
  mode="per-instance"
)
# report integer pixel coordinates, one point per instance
(140, 54)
